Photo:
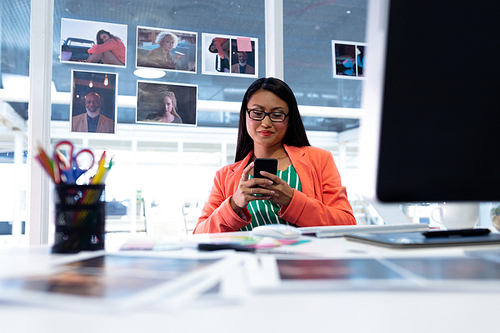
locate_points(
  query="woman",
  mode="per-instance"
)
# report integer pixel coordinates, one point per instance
(307, 190)
(169, 113)
(109, 49)
(161, 57)
(221, 47)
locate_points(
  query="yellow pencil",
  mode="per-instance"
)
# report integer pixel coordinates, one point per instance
(101, 170)
(92, 196)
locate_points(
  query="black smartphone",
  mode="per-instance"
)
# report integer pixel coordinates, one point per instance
(265, 164)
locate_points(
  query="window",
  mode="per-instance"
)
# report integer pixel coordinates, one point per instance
(168, 166)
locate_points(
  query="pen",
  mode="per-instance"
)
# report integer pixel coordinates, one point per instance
(457, 233)
(228, 246)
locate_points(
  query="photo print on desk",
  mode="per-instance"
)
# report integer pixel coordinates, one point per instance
(166, 103)
(348, 59)
(93, 43)
(93, 102)
(230, 55)
(398, 273)
(167, 49)
(114, 281)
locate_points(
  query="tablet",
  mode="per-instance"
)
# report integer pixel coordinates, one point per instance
(408, 240)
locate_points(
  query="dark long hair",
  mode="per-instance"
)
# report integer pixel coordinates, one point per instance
(295, 134)
(98, 36)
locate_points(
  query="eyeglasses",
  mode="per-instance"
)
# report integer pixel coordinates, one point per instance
(275, 117)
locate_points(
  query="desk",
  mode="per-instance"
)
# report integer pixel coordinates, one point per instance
(348, 311)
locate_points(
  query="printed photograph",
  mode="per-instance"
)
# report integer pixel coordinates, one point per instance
(242, 56)
(334, 269)
(106, 281)
(166, 103)
(166, 49)
(93, 102)
(348, 59)
(229, 55)
(93, 43)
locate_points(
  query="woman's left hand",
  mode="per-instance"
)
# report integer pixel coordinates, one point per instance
(283, 193)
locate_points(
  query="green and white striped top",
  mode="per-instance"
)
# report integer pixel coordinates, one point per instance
(266, 212)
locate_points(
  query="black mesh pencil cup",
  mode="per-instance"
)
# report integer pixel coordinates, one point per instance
(79, 218)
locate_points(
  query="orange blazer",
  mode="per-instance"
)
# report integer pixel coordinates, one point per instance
(323, 200)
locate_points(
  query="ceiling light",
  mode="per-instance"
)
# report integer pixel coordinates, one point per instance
(149, 73)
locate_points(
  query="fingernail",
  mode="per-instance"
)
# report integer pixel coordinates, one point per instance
(272, 192)
(270, 182)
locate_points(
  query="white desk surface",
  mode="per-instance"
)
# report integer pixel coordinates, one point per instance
(334, 311)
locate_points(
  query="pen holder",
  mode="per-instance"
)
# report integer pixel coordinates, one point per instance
(79, 218)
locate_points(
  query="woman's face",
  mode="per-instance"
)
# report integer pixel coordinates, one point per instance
(167, 43)
(168, 104)
(104, 37)
(264, 132)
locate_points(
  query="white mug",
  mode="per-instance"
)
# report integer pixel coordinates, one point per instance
(457, 215)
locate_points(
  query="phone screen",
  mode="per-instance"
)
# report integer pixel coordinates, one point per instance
(265, 164)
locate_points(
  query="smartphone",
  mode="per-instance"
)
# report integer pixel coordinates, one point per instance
(265, 164)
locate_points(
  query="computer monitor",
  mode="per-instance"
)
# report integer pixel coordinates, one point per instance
(431, 97)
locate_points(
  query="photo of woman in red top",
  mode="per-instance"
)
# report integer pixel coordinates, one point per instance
(109, 50)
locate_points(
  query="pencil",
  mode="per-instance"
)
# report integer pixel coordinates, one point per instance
(46, 162)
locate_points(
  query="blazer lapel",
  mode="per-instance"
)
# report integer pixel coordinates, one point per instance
(85, 123)
(300, 162)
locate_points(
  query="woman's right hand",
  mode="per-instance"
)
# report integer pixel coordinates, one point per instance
(246, 190)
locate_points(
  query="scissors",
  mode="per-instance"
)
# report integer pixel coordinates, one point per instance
(68, 170)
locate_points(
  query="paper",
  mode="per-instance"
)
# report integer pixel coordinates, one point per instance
(112, 281)
(244, 44)
(417, 274)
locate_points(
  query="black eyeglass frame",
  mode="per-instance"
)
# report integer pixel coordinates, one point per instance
(267, 114)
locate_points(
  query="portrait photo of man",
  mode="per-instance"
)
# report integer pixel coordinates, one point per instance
(242, 66)
(93, 105)
(92, 120)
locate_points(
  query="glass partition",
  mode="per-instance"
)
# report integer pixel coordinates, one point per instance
(309, 30)
(164, 172)
(14, 68)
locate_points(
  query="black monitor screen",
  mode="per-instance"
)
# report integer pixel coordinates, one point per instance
(440, 123)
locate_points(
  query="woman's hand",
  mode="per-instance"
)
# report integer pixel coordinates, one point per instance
(246, 190)
(283, 193)
(178, 56)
